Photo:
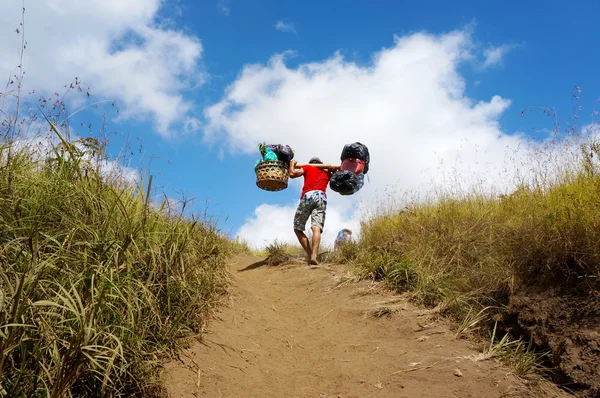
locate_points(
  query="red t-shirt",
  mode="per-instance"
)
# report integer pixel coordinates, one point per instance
(315, 179)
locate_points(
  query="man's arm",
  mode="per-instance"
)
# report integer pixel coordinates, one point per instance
(295, 172)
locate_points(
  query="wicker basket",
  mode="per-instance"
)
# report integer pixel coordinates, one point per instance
(272, 175)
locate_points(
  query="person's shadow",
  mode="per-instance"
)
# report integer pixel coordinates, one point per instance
(321, 258)
(252, 266)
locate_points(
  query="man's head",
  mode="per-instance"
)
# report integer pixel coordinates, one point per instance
(315, 160)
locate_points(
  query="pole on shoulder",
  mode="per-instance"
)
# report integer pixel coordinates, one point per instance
(319, 166)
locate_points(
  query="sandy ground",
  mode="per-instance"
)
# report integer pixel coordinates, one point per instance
(295, 331)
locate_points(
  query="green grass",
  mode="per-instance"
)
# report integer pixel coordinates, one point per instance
(521, 356)
(98, 284)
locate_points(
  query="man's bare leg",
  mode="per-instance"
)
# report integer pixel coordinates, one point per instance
(316, 241)
(303, 242)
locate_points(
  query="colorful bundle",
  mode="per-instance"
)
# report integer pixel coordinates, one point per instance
(280, 152)
(349, 179)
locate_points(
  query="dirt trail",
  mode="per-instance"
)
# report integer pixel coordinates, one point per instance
(295, 331)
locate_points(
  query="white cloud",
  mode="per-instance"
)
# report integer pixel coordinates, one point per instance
(495, 55)
(114, 170)
(287, 27)
(121, 49)
(408, 106)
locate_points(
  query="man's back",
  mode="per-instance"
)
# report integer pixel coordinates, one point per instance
(315, 179)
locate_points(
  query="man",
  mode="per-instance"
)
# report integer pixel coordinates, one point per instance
(313, 203)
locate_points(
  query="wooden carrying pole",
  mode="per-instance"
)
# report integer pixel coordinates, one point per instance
(319, 166)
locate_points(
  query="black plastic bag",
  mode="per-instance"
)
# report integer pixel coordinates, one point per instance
(358, 151)
(344, 182)
(284, 153)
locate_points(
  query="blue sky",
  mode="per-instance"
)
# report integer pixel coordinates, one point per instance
(195, 56)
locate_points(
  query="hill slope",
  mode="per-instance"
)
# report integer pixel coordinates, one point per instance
(316, 332)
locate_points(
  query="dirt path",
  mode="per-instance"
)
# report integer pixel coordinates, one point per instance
(292, 331)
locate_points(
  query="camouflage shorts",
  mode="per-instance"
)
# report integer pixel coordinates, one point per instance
(313, 204)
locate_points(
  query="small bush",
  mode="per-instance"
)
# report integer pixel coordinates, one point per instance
(277, 254)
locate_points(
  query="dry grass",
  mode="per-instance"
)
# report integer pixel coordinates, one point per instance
(470, 252)
(239, 246)
(278, 253)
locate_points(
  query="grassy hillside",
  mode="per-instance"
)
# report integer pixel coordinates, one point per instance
(97, 282)
(482, 257)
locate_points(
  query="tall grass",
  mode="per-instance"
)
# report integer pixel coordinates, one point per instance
(97, 283)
